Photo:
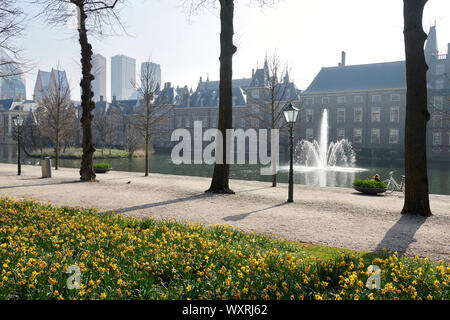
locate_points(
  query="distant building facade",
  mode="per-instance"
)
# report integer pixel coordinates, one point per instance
(99, 72)
(123, 77)
(367, 105)
(12, 82)
(48, 81)
(155, 72)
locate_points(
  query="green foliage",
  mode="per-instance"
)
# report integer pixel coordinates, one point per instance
(102, 165)
(369, 184)
(124, 258)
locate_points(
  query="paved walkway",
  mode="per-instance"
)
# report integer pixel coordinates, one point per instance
(337, 217)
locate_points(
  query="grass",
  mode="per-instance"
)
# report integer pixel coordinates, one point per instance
(124, 258)
(76, 153)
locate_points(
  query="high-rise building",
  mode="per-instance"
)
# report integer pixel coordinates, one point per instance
(48, 83)
(123, 77)
(153, 72)
(99, 72)
(12, 82)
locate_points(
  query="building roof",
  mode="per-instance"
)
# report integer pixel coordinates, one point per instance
(431, 45)
(360, 77)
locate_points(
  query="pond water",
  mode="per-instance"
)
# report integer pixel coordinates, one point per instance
(438, 173)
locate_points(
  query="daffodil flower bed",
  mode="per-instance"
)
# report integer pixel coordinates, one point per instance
(123, 258)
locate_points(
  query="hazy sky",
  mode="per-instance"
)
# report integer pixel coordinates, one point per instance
(307, 34)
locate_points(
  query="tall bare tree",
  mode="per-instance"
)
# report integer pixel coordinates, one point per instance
(221, 175)
(267, 106)
(11, 26)
(105, 129)
(56, 114)
(148, 114)
(93, 17)
(417, 115)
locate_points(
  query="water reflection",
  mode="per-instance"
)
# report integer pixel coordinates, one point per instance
(439, 174)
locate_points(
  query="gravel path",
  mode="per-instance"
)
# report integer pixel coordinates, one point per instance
(337, 217)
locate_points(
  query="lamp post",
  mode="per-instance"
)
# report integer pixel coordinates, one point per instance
(18, 121)
(290, 113)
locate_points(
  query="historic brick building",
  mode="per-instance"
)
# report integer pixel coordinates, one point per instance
(366, 105)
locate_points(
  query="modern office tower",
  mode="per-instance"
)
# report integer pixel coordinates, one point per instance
(47, 82)
(123, 77)
(153, 70)
(99, 72)
(12, 82)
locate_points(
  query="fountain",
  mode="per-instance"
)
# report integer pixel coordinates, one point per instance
(336, 156)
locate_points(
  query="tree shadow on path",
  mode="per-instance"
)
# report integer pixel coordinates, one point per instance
(242, 216)
(163, 203)
(400, 236)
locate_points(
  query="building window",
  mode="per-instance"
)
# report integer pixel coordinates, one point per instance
(358, 114)
(309, 115)
(375, 136)
(376, 98)
(358, 99)
(242, 123)
(357, 135)
(255, 94)
(341, 99)
(393, 136)
(309, 101)
(376, 114)
(440, 68)
(179, 122)
(438, 102)
(395, 114)
(309, 134)
(204, 121)
(187, 122)
(437, 139)
(341, 115)
(440, 84)
(325, 100)
(436, 121)
(340, 134)
(395, 97)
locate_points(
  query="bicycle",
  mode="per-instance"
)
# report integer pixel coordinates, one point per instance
(392, 185)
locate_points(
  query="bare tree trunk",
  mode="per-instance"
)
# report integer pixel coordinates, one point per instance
(87, 162)
(417, 115)
(147, 138)
(56, 150)
(57, 136)
(220, 180)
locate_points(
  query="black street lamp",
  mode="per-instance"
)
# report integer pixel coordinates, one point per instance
(18, 121)
(290, 113)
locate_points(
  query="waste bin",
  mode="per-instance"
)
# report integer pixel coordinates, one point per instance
(46, 164)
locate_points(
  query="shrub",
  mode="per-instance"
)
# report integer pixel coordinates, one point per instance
(369, 184)
(103, 165)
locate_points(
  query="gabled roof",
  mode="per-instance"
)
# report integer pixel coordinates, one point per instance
(360, 77)
(45, 77)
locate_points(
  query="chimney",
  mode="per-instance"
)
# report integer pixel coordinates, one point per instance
(342, 59)
(253, 73)
(101, 98)
(448, 50)
(167, 85)
(114, 99)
